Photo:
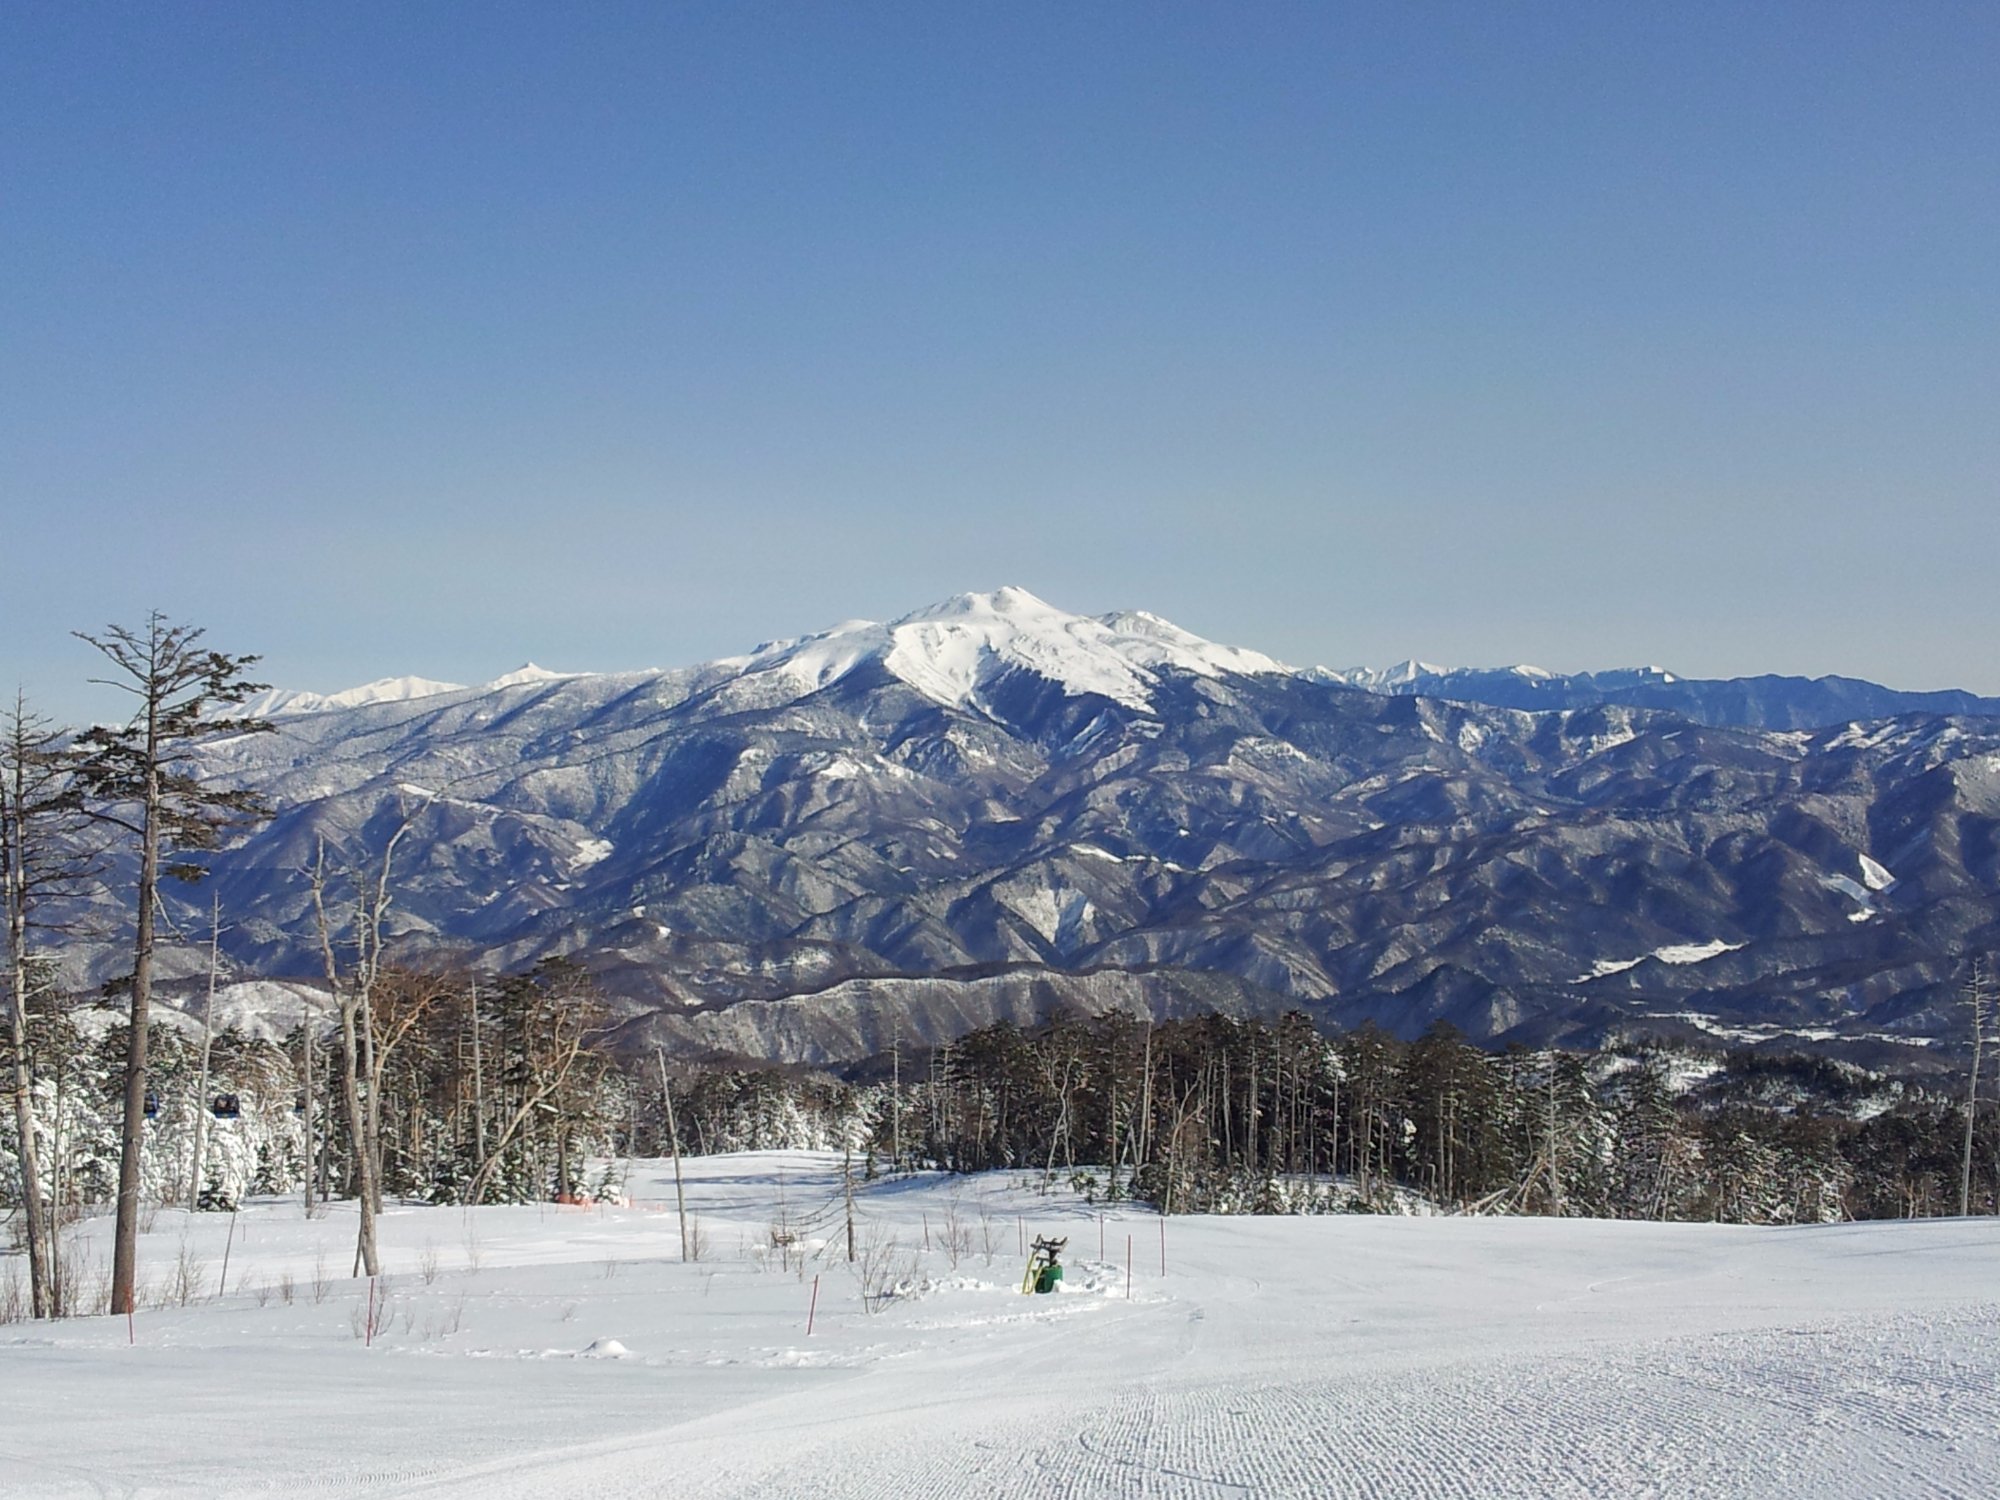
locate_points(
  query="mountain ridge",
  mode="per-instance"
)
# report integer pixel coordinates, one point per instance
(942, 648)
(1030, 810)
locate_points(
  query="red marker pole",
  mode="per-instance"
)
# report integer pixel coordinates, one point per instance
(812, 1308)
(1128, 1268)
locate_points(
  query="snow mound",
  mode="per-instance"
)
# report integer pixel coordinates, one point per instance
(605, 1349)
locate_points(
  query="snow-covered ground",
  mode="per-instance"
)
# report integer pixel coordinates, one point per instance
(551, 1352)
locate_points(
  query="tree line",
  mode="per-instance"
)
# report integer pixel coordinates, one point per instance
(485, 1090)
(1223, 1115)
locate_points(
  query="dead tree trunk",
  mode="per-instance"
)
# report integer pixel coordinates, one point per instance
(1975, 996)
(30, 800)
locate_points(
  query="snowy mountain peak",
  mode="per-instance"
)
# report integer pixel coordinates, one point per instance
(1008, 602)
(528, 673)
(279, 702)
(1382, 679)
(954, 650)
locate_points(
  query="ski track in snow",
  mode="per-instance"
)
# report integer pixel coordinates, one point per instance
(1358, 1357)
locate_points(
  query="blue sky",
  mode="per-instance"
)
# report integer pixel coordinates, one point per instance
(426, 339)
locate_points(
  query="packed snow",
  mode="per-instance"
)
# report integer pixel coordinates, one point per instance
(554, 1351)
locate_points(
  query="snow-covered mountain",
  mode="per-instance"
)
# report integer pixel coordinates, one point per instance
(280, 701)
(952, 651)
(993, 806)
(955, 653)
(1768, 702)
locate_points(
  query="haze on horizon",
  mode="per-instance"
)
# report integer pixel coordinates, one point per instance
(381, 342)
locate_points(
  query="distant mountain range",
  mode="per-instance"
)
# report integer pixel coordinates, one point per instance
(1146, 640)
(1755, 702)
(993, 807)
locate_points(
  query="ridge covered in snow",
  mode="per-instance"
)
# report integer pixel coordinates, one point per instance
(529, 675)
(951, 652)
(282, 701)
(956, 652)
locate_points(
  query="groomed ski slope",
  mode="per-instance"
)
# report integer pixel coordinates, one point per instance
(1302, 1357)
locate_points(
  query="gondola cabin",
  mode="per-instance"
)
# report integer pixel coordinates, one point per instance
(226, 1107)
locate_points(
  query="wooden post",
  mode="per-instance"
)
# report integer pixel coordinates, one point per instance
(812, 1307)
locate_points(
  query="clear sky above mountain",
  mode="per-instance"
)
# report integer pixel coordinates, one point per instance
(410, 339)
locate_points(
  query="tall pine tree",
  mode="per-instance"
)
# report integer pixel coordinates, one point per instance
(143, 779)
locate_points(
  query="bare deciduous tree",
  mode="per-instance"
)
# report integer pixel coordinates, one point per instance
(362, 1055)
(39, 858)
